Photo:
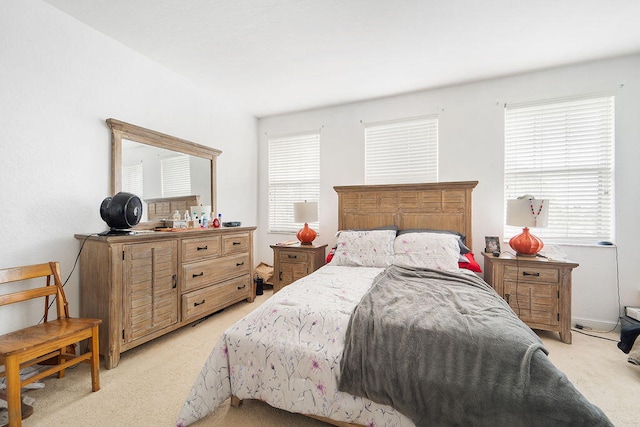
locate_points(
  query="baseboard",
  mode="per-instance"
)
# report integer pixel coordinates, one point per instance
(595, 325)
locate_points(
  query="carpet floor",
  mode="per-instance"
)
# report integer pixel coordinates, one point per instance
(152, 381)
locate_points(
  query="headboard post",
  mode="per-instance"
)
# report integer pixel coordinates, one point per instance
(441, 206)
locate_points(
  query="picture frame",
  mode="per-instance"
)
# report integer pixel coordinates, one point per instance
(491, 244)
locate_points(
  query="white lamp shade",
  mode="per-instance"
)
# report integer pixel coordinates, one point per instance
(528, 212)
(305, 212)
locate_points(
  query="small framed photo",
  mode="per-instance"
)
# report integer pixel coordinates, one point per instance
(491, 244)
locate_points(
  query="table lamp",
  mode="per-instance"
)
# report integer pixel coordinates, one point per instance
(527, 211)
(305, 212)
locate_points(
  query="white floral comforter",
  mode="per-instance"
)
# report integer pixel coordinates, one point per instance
(287, 353)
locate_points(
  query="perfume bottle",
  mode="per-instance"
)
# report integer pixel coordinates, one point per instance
(217, 221)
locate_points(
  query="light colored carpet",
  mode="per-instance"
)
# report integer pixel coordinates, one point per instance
(149, 386)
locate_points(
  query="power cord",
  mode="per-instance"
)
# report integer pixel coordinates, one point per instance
(581, 330)
(579, 327)
(71, 272)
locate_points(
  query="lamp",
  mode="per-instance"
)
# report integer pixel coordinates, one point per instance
(305, 212)
(527, 211)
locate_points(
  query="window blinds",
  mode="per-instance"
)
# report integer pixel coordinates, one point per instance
(294, 176)
(176, 176)
(564, 152)
(402, 151)
(132, 179)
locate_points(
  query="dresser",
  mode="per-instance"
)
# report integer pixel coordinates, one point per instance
(145, 285)
(538, 290)
(293, 262)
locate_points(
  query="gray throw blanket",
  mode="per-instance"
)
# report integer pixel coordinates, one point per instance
(445, 350)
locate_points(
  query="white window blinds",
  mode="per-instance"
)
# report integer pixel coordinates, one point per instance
(132, 179)
(563, 151)
(294, 176)
(402, 151)
(176, 176)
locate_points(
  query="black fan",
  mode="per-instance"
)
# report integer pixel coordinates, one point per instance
(121, 212)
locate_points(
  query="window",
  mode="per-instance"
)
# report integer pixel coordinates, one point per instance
(176, 176)
(401, 151)
(294, 176)
(132, 179)
(563, 151)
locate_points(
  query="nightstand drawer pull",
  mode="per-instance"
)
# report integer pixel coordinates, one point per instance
(195, 304)
(292, 256)
(526, 273)
(237, 243)
(238, 264)
(198, 275)
(242, 287)
(199, 248)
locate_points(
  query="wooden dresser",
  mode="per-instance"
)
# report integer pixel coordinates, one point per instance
(145, 285)
(538, 290)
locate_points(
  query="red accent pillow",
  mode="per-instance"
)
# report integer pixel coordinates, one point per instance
(330, 254)
(471, 265)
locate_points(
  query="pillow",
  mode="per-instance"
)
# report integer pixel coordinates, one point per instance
(330, 255)
(370, 248)
(470, 264)
(461, 241)
(437, 251)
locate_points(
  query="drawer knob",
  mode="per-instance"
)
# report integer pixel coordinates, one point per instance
(237, 243)
(242, 287)
(293, 256)
(195, 304)
(238, 264)
(198, 275)
(526, 273)
(203, 248)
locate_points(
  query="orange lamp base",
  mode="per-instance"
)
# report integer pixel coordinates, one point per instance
(526, 244)
(306, 235)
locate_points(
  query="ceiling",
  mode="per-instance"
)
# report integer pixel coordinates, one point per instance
(267, 57)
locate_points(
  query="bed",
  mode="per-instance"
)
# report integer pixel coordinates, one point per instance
(392, 332)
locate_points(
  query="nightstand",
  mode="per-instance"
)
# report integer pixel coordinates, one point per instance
(293, 262)
(537, 289)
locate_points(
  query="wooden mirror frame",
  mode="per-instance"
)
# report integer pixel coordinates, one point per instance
(121, 130)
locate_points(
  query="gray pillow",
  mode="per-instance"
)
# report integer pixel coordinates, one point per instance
(461, 240)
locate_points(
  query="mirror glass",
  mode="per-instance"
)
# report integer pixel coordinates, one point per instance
(151, 173)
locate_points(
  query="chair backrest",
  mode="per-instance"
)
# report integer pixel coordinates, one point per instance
(48, 270)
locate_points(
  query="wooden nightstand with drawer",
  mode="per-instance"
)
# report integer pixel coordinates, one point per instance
(538, 290)
(293, 262)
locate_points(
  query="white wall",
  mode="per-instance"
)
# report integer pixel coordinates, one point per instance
(59, 81)
(471, 148)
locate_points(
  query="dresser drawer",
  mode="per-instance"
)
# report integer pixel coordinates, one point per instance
(214, 297)
(202, 273)
(201, 248)
(235, 243)
(289, 256)
(531, 274)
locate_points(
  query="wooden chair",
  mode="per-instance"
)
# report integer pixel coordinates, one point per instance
(45, 341)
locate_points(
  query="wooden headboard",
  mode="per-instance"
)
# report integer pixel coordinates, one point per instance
(441, 206)
(163, 208)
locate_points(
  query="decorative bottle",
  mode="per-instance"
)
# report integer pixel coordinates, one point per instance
(217, 221)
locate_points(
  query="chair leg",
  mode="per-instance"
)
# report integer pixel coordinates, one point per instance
(61, 360)
(12, 370)
(95, 360)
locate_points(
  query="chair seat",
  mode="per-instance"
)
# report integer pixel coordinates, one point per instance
(45, 334)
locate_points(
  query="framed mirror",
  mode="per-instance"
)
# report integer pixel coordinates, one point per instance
(161, 169)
